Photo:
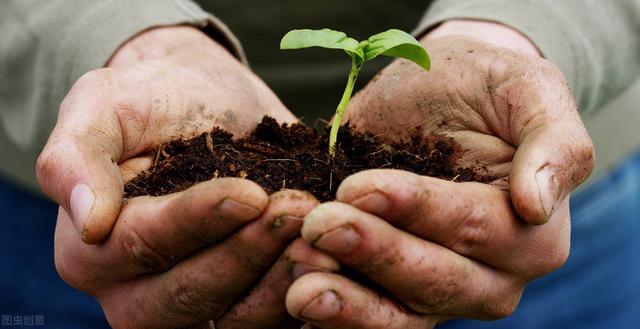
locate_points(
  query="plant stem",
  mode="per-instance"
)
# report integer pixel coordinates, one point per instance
(342, 106)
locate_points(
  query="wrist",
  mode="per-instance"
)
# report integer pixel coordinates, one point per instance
(161, 42)
(490, 32)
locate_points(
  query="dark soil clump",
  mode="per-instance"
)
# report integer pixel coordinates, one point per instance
(292, 157)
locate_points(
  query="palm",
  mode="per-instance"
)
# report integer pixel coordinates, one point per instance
(474, 93)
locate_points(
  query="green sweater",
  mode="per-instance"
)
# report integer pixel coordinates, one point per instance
(46, 46)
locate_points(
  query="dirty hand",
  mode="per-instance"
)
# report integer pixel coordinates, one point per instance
(446, 249)
(176, 260)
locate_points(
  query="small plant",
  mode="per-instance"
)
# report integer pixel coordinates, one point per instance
(392, 43)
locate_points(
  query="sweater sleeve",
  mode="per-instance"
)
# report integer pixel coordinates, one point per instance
(595, 43)
(47, 45)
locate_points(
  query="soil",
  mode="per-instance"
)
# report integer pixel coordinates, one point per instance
(292, 157)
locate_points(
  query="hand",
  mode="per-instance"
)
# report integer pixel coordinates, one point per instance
(264, 306)
(112, 118)
(185, 258)
(445, 249)
(512, 114)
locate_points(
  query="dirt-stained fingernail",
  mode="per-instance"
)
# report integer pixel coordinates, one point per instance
(374, 202)
(548, 189)
(233, 209)
(323, 307)
(286, 226)
(81, 202)
(339, 240)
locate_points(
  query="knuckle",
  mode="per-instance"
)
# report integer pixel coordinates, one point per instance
(50, 163)
(556, 252)
(92, 79)
(143, 254)
(373, 261)
(73, 269)
(473, 231)
(433, 300)
(44, 166)
(421, 197)
(65, 268)
(504, 307)
(91, 83)
(439, 294)
(545, 71)
(556, 258)
(589, 154)
(500, 310)
(585, 160)
(187, 299)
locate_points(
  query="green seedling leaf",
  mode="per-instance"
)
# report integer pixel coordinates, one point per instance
(393, 43)
(325, 38)
(396, 43)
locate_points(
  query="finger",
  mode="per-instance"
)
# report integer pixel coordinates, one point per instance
(205, 285)
(78, 166)
(264, 307)
(154, 233)
(554, 152)
(472, 219)
(478, 147)
(131, 168)
(448, 282)
(548, 165)
(331, 301)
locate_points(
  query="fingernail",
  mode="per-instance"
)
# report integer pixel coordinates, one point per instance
(374, 202)
(300, 269)
(81, 202)
(549, 189)
(285, 227)
(235, 210)
(323, 307)
(339, 240)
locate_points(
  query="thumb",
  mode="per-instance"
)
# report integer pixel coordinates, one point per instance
(554, 152)
(554, 156)
(78, 166)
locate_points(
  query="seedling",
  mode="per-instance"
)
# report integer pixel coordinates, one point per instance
(392, 43)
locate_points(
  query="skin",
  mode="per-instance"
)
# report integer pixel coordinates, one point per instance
(169, 262)
(442, 249)
(112, 118)
(183, 259)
